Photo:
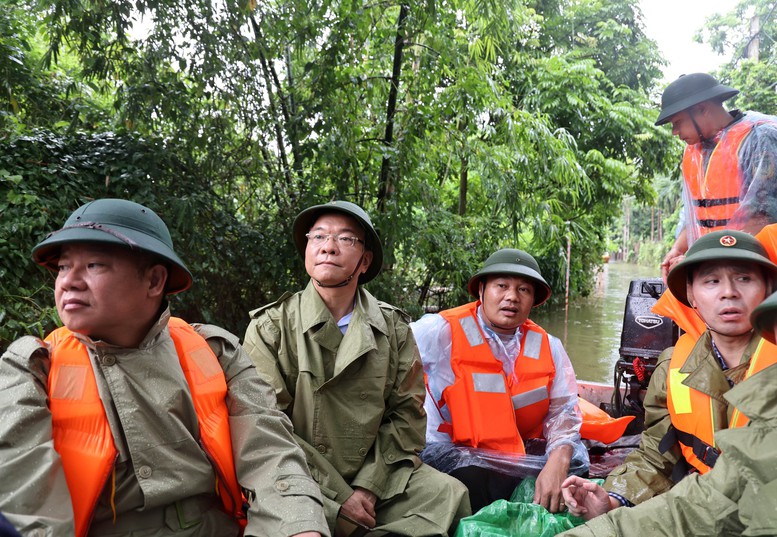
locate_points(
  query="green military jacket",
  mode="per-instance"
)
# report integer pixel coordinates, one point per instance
(355, 400)
(737, 497)
(160, 461)
(647, 472)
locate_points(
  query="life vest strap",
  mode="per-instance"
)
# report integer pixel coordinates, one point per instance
(715, 202)
(713, 223)
(704, 452)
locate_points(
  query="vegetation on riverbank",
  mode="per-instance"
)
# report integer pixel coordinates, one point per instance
(462, 127)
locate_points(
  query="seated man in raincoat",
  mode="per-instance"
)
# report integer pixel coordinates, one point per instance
(738, 496)
(496, 379)
(347, 372)
(724, 276)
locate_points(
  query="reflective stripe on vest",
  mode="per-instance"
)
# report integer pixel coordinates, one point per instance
(82, 434)
(487, 409)
(691, 410)
(715, 186)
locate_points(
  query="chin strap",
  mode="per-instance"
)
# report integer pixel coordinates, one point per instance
(345, 281)
(702, 138)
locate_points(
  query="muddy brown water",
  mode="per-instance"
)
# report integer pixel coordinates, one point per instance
(591, 331)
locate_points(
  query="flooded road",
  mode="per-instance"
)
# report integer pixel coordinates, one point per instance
(592, 332)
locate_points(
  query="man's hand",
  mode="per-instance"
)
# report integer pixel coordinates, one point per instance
(547, 490)
(675, 254)
(360, 507)
(586, 499)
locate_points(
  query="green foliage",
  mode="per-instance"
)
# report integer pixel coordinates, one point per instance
(734, 35)
(461, 127)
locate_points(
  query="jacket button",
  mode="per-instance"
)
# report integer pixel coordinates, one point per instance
(144, 472)
(109, 359)
(363, 395)
(321, 448)
(362, 451)
(282, 486)
(391, 457)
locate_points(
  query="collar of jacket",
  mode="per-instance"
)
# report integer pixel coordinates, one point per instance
(314, 312)
(703, 369)
(148, 340)
(756, 396)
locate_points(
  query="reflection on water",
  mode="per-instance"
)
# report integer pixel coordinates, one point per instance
(592, 333)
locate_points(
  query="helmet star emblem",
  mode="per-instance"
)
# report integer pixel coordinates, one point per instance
(728, 240)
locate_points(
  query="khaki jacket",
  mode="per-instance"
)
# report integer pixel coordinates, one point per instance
(160, 461)
(737, 497)
(355, 400)
(647, 472)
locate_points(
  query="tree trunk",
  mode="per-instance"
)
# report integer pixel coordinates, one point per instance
(385, 184)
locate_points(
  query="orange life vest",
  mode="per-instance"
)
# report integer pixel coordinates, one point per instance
(488, 409)
(715, 187)
(82, 435)
(691, 410)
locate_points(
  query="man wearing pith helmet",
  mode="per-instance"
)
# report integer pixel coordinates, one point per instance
(346, 370)
(723, 277)
(500, 395)
(738, 495)
(128, 421)
(729, 165)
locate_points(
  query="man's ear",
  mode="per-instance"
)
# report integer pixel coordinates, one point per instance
(689, 294)
(157, 278)
(366, 261)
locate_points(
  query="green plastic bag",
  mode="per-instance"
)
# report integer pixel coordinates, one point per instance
(518, 517)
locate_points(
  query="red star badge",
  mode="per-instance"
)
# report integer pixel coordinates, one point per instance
(728, 240)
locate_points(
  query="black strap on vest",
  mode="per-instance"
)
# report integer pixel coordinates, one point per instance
(703, 451)
(715, 202)
(713, 223)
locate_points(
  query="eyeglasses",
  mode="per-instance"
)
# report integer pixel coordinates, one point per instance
(343, 241)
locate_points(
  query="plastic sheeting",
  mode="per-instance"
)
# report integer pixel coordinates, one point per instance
(447, 457)
(604, 458)
(757, 167)
(518, 517)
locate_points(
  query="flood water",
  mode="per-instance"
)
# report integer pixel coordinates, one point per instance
(592, 331)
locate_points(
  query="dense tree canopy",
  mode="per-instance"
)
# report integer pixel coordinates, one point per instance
(461, 127)
(746, 37)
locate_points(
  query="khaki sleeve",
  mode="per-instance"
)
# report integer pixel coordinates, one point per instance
(33, 490)
(698, 505)
(646, 472)
(283, 498)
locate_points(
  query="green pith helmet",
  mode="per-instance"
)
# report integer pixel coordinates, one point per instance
(690, 90)
(119, 222)
(512, 262)
(725, 245)
(764, 317)
(308, 217)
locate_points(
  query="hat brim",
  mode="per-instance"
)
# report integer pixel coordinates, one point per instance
(720, 92)
(541, 289)
(308, 217)
(46, 253)
(677, 280)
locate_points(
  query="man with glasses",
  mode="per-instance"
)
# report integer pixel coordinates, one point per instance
(346, 370)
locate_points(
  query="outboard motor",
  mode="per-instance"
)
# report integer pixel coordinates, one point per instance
(643, 337)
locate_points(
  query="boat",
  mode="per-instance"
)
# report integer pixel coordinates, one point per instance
(644, 335)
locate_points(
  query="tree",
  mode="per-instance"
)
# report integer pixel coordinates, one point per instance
(461, 127)
(746, 35)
